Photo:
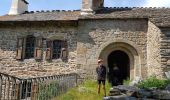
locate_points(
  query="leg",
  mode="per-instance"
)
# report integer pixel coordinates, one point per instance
(99, 82)
(104, 89)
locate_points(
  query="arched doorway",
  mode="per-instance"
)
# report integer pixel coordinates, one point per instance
(118, 66)
(124, 47)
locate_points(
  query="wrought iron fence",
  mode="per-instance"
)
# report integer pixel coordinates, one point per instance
(41, 88)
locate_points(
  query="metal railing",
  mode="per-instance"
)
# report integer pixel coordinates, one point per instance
(41, 88)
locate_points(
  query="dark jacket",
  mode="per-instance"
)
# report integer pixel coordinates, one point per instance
(101, 72)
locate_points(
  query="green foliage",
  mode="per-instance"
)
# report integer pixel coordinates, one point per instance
(86, 91)
(127, 81)
(47, 91)
(153, 82)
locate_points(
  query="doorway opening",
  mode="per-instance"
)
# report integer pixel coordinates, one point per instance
(119, 67)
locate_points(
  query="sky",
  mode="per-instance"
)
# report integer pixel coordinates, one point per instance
(35, 5)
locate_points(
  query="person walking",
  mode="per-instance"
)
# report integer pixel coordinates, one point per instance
(101, 76)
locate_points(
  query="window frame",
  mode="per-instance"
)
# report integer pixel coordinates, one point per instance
(56, 49)
(32, 46)
(60, 52)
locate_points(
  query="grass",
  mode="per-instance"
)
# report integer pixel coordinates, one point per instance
(86, 91)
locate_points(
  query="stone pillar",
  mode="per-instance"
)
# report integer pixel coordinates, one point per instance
(18, 7)
(90, 6)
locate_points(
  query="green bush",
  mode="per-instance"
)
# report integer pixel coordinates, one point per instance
(126, 82)
(153, 82)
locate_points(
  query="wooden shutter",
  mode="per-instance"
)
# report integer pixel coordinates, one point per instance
(19, 50)
(38, 48)
(64, 51)
(49, 50)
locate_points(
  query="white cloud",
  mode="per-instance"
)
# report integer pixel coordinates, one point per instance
(157, 3)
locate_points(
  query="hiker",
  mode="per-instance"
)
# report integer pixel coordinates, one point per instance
(115, 75)
(101, 76)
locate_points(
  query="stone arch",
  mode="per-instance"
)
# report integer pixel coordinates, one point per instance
(129, 48)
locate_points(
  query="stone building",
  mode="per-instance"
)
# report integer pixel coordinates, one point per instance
(45, 43)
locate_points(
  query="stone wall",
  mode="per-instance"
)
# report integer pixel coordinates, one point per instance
(165, 50)
(31, 67)
(140, 39)
(95, 35)
(153, 50)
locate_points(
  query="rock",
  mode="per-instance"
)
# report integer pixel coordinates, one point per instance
(126, 88)
(156, 94)
(114, 92)
(161, 94)
(132, 93)
(152, 88)
(119, 97)
(135, 81)
(144, 94)
(168, 87)
(167, 74)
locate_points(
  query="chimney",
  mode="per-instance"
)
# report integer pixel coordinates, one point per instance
(90, 6)
(18, 7)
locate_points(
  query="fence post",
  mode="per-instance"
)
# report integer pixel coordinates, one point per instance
(1, 86)
(34, 90)
(14, 91)
(38, 88)
(20, 89)
(17, 94)
(76, 80)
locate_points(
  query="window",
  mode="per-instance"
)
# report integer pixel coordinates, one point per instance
(57, 45)
(33, 48)
(56, 49)
(26, 89)
(29, 47)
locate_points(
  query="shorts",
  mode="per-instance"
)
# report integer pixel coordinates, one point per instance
(101, 81)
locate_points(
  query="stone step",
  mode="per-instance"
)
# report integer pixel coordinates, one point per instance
(119, 97)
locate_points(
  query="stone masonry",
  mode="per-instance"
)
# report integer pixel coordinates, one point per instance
(105, 32)
(165, 49)
(153, 48)
(91, 33)
(8, 63)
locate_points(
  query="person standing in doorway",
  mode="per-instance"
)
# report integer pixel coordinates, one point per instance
(101, 76)
(115, 75)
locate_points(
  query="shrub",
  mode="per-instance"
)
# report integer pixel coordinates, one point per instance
(126, 82)
(153, 82)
